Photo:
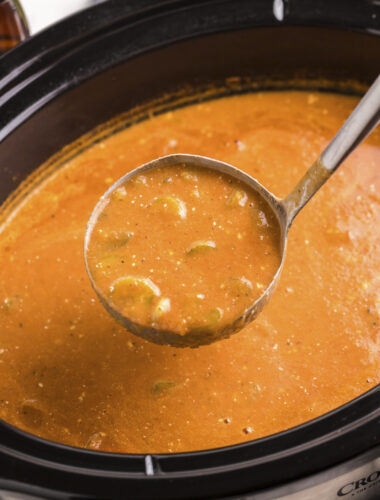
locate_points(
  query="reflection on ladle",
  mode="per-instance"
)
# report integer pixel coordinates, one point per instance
(360, 123)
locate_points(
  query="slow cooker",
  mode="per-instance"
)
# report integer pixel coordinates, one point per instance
(107, 60)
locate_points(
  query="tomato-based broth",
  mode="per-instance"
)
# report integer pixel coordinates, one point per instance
(187, 250)
(70, 373)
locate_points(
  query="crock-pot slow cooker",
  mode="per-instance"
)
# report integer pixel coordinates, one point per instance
(106, 60)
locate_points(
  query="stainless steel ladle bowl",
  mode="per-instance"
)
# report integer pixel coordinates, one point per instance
(360, 123)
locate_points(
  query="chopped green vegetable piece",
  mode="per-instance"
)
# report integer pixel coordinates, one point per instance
(162, 386)
(171, 205)
(214, 316)
(113, 239)
(237, 199)
(208, 323)
(108, 261)
(132, 289)
(161, 308)
(200, 246)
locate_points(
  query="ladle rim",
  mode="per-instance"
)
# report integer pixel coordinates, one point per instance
(206, 336)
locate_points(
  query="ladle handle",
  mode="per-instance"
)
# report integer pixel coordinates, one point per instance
(359, 124)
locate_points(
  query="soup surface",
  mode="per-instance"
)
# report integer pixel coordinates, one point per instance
(185, 250)
(70, 373)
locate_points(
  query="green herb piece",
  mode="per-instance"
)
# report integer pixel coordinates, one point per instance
(200, 246)
(133, 289)
(161, 387)
(171, 205)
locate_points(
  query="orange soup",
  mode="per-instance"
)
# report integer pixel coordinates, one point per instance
(70, 373)
(183, 250)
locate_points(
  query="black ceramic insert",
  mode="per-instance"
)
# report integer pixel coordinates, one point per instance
(106, 60)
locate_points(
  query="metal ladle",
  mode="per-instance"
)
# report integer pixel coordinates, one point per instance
(363, 119)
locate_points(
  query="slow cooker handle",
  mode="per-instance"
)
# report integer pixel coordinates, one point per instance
(13, 24)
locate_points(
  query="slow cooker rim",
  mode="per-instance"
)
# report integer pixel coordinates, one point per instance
(87, 24)
(97, 17)
(305, 427)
